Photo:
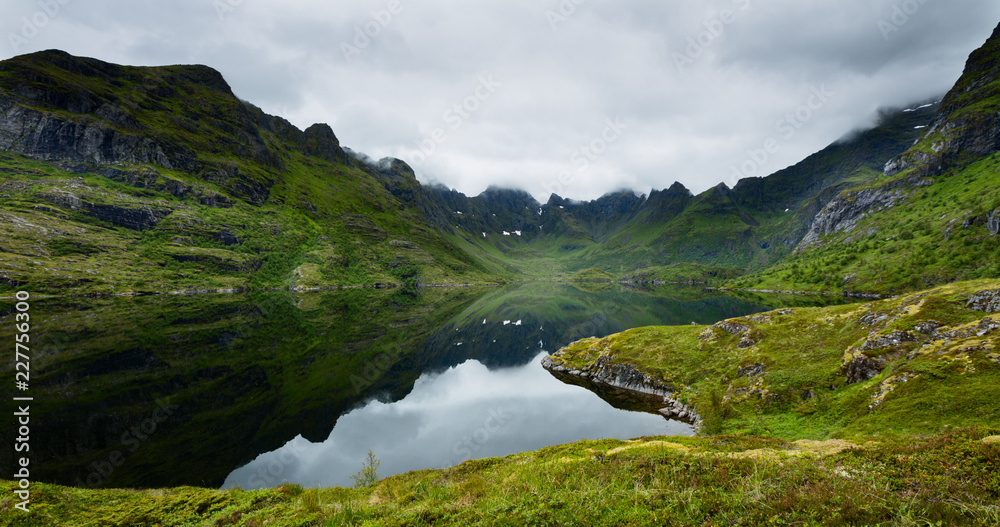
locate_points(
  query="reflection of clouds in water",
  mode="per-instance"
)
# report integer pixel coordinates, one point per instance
(464, 413)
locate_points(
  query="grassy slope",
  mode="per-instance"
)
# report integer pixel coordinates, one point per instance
(716, 235)
(917, 244)
(928, 381)
(290, 207)
(759, 221)
(876, 464)
(950, 479)
(935, 234)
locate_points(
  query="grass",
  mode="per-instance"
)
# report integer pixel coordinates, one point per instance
(947, 479)
(785, 373)
(876, 452)
(936, 235)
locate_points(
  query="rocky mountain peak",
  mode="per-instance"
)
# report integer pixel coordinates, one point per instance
(320, 141)
(964, 128)
(678, 188)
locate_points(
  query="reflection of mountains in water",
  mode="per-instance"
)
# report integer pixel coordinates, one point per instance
(504, 329)
(244, 375)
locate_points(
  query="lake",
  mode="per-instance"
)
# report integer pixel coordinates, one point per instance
(259, 389)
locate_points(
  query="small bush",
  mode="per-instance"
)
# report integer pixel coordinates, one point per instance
(368, 473)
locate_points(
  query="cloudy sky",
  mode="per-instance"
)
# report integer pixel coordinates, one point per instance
(577, 97)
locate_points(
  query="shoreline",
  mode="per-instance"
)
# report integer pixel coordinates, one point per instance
(630, 379)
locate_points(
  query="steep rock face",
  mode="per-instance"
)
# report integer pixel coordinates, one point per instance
(666, 205)
(967, 126)
(57, 107)
(43, 136)
(993, 223)
(844, 212)
(493, 212)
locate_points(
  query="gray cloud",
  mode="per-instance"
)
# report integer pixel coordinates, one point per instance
(563, 69)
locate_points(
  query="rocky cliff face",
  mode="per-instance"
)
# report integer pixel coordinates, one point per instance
(844, 212)
(964, 129)
(60, 108)
(41, 135)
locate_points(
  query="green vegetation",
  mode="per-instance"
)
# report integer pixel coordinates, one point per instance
(219, 196)
(936, 234)
(949, 479)
(368, 475)
(881, 413)
(917, 364)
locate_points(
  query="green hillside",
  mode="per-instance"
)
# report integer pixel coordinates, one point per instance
(121, 179)
(932, 218)
(721, 233)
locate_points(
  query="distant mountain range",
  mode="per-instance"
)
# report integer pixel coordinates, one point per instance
(153, 179)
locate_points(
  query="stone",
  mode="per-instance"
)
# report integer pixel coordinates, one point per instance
(993, 223)
(752, 370)
(988, 301)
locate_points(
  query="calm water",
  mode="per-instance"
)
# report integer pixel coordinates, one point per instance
(463, 413)
(255, 390)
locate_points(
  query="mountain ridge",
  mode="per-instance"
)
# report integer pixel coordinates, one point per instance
(178, 133)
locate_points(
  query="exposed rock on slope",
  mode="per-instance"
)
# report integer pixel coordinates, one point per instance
(843, 213)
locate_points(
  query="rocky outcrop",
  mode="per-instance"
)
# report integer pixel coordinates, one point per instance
(45, 136)
(886, 341)
(844, 212)
(988, 301)
(993, 223)
(139, 218)
(862, 366)
(605, 371)
(751, 370)
(148, 178)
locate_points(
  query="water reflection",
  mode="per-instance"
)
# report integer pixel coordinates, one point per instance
(246, 374)
(466, 412)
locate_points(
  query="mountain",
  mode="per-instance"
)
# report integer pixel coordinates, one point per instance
(153, 179)
(931, 217)
(671, 233)
(121, 178)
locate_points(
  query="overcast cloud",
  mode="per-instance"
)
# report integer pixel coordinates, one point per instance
(578, 97)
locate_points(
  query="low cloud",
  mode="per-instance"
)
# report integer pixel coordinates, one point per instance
(747, 63)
